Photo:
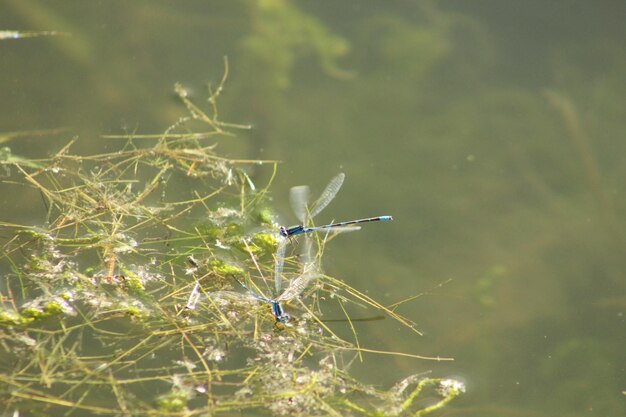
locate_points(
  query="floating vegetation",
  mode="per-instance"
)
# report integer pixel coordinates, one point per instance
(125, 299)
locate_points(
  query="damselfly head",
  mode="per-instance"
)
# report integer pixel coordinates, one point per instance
(284, 318)
(282, 230)
(279, 312)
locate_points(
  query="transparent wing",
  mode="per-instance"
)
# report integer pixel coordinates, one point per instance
(279, 262)
(223, 298)
(327, 195)
(299, 284)
(305, 252)
(299, 198)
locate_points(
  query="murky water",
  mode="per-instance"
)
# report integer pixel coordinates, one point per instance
(491, 131)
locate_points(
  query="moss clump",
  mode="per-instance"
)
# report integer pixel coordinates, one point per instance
(265, 216)
(221, 268)
(172, 402)
(135, 283)
(9, 318)
(32, 314)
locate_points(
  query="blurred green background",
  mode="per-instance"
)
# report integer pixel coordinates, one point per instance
(493, 131)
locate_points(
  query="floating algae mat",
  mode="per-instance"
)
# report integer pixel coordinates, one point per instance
(125, 297)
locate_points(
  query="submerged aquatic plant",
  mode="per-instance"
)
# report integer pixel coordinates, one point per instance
(126, 300)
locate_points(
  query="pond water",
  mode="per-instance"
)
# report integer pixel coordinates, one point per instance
(493, 132)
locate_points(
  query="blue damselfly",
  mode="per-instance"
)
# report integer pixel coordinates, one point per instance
(298, 197)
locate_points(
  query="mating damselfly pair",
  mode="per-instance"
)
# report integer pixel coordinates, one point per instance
(310, 269)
